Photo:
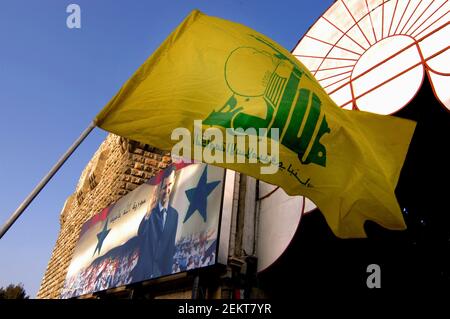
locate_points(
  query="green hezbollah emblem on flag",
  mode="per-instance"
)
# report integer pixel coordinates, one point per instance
(273, 81)
(230, 76)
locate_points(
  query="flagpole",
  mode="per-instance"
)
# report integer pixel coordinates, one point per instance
(46, 179)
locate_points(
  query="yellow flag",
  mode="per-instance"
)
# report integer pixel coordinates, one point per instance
(230, 76)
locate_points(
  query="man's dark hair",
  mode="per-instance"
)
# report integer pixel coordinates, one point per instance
(167, 172)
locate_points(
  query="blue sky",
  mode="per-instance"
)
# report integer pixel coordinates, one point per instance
(54, 80)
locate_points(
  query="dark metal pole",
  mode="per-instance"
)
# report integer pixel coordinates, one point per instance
(46, 179)
(195, 286)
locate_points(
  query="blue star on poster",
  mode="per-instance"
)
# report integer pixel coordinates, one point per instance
(101, 237)
(198, 196)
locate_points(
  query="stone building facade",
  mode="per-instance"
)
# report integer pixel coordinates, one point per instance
(117, 167)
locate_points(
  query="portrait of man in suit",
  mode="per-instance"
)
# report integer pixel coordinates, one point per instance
(156, 233)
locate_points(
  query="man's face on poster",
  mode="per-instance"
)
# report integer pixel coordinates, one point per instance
(166, 189)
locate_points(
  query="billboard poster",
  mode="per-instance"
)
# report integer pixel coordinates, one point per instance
(168, 225)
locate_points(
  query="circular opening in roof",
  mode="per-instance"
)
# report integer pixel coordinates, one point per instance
(388, 75)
